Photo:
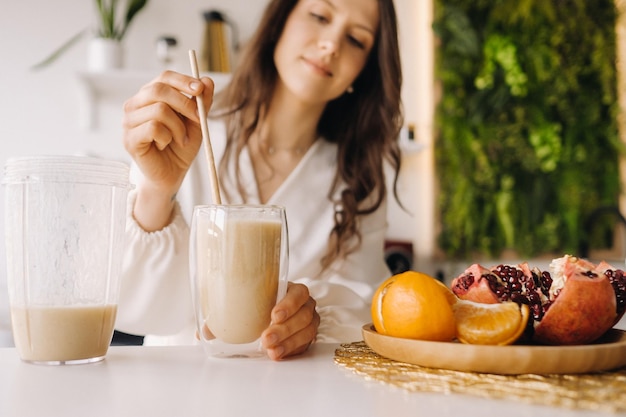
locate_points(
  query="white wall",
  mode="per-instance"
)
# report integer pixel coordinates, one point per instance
(417, 180)
(40, 112)
(40, 109)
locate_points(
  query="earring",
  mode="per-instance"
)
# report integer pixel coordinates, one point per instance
(350, 90)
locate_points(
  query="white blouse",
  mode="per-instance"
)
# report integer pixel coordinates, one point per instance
(155, 298)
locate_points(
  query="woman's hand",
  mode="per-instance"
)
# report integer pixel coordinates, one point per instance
(294, 324)
(161, 132)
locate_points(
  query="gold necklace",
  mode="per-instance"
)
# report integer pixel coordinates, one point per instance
(271, 150)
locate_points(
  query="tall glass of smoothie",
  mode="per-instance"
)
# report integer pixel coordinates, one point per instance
(238, 265)
(64, 225)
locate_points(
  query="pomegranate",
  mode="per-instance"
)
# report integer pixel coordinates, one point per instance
(575, 302)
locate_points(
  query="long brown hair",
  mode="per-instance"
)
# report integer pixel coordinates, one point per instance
(364, 124)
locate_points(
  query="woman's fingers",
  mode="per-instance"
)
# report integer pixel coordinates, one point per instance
(292, 339)
(165, 112)
(294, 299)
(182, 82)
(294, 326)
(179, 91)
(176, 91)
(156, 123)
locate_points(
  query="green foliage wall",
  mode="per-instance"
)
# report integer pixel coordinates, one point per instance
(527, 143)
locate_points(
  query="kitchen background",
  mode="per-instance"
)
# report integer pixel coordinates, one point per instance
(62, 109)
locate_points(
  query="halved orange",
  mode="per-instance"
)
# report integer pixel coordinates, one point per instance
(490, 324)
(414, 305)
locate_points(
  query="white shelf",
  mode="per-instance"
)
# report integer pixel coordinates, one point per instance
(119, 85)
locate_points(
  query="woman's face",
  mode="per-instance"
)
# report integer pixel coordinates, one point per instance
(324, 46)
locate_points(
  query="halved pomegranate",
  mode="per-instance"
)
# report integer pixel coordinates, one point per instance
(575, 302)
(617, 277)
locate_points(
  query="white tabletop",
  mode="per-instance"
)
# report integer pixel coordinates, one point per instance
(183, 382)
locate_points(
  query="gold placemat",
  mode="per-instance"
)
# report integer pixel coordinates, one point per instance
(602, 391)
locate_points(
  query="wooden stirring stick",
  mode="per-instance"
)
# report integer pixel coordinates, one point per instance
(208, 150)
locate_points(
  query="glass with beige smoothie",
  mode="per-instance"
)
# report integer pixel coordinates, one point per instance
(64, 221)
(238, 262)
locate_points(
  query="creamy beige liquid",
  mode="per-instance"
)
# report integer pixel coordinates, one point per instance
(62, 333)
(238, 278)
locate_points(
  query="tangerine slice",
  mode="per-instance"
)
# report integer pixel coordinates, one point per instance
(489, 324)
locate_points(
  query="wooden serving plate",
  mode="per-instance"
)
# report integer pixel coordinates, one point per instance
(607, 353)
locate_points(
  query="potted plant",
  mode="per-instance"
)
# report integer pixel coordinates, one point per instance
(105, 48)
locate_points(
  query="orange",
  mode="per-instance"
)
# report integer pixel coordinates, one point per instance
(414, 305)
(490, 324)
(450, 296)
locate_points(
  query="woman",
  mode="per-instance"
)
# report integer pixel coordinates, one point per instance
(308, 122)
